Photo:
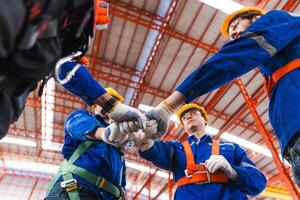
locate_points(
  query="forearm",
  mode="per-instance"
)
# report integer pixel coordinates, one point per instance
(175, 100)
(96, 135)
(102, 99)
(250, 180)
(160, 154)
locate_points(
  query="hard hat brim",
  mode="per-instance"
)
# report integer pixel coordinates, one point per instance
(226, 22)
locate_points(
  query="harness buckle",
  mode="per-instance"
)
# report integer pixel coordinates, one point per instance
(207, 175)
(70, 184)
(122, 193)
(187, 174)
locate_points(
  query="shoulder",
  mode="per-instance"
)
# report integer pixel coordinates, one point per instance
(228, 146)
(80, 112)
(277, 16)
(79, 115)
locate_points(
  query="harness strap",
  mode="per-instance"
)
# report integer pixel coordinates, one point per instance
(188, 154)
(197, 173)
(99, 181)
(77, 153)
(202, 178)
(67, 170)
(269, 82)
(72, 187)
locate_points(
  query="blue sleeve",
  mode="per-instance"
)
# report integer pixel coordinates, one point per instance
(250, 179)
(161, 154)
(262, 40)
(82, 84)
(80, 123)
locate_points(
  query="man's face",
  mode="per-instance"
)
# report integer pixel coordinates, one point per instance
(193, 121)
(237, 27)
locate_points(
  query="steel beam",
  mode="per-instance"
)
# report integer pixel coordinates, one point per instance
(282, 170)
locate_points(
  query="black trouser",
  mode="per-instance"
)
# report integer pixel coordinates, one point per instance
(20, 69)
(59, 193)
(292, 155)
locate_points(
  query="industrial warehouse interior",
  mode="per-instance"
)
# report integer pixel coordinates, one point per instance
(146, 50)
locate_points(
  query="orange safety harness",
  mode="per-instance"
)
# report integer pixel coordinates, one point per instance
(197, 173)
(269, 82)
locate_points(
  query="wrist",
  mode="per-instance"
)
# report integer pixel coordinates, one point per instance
(232, 175)
(147, 145)
(166, 105)
(175, 100)
(109, 105)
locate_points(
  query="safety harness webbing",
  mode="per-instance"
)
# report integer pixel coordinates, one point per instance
(197, 173)
(67, 170)
(269, 82)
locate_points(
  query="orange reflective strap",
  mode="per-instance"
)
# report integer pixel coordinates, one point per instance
(285, 69)
(215, 147)
(278, 74)
(199, 167)
(197, 173)
(190, 162)
(202, 178)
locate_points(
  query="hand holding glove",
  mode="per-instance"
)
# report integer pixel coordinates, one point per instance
(219, 162)
(161, 114)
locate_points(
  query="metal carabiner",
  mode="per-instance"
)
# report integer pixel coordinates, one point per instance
(71, 73)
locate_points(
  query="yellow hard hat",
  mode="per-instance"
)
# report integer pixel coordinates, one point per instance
(190, 106)
(230, 17)
(114, 93)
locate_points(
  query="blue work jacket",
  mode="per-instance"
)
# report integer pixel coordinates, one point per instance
(171, 156)
(82, 84)
(100, 158)
(269, 43)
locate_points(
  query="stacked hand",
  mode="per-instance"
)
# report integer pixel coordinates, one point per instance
(161, 114)
(120, 134)
(123, 113)
(143, 139)
(128, 121)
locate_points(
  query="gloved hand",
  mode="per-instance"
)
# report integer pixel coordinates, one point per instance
(112, 135)
(219, 162)
(122, 113)
(161, 114)
(142, 140)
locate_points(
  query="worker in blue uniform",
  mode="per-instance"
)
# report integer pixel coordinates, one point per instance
(83, 85)
(92, 168)
(269, 41)
(203, 168)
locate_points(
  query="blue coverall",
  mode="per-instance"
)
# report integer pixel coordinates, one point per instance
(171, 156)
(269, 43)
(82, 84)
(100, 158)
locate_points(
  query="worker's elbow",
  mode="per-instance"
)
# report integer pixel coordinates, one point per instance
(259, 186)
